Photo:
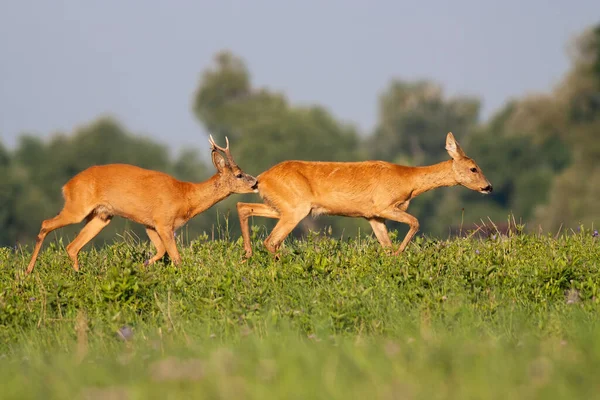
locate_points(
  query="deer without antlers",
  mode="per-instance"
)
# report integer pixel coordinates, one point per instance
(374, 190)
(154, 199)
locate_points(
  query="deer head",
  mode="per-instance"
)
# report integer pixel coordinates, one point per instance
(466, 171)
(230, 174)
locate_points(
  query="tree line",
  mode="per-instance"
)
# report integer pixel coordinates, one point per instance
(540, 152)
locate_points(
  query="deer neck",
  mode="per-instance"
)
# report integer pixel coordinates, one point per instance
(433, 176)
(206, 194)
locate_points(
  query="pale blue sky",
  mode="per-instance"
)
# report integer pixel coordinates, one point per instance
(65, 63)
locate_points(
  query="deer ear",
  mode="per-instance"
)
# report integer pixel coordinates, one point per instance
(453, 147)
(218, 161)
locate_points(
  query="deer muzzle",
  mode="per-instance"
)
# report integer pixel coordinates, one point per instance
(488, 189)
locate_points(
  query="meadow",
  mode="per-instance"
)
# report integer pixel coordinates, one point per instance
(476, 317)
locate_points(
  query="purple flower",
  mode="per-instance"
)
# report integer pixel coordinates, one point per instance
(595, 234)
(476, 251)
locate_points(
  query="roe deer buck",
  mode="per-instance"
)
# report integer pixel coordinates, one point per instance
(374, 190)
(154, 199)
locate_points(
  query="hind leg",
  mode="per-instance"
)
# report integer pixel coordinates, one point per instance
(94, 225)
(64, 218)
(287, 222)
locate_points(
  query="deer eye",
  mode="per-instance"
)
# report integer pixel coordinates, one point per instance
(473, 169)
(239, 176)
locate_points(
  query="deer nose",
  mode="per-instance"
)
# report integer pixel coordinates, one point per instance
(487, 189)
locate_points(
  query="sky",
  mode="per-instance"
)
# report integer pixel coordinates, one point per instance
(63, 64)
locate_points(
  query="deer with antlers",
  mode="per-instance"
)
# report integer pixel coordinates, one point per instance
(154, 199)
(374, 190)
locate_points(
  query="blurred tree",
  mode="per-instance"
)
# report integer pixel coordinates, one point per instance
(414, 118)
(574, 198)
(7, 190)
(264, 129)
(520, 152)
(574, 195)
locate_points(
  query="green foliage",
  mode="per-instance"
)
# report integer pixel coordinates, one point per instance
(331, 319)
(321, 277)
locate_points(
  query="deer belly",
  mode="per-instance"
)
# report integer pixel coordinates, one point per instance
(341, 209)
(134, 211)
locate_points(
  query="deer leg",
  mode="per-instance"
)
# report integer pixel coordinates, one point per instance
(94, 225)
(287, 222)
(247, 210)
(398, 215)
(380, 231)
(158, 243)
(64, 218)
(168, 240)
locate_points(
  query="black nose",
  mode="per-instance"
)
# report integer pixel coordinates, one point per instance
(255, 186)
(488, 189)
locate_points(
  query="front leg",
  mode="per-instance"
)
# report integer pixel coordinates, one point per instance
(168, 239)
(396, 214)
(158, 243)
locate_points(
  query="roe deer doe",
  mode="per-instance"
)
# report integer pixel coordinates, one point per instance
(374, 190)
(151, 198)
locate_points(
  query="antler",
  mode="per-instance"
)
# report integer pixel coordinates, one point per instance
(224, 150)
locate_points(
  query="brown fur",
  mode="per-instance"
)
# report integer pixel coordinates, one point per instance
(154, 199)
(374, 190)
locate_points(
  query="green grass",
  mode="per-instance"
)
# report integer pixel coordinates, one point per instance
(503, 317)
